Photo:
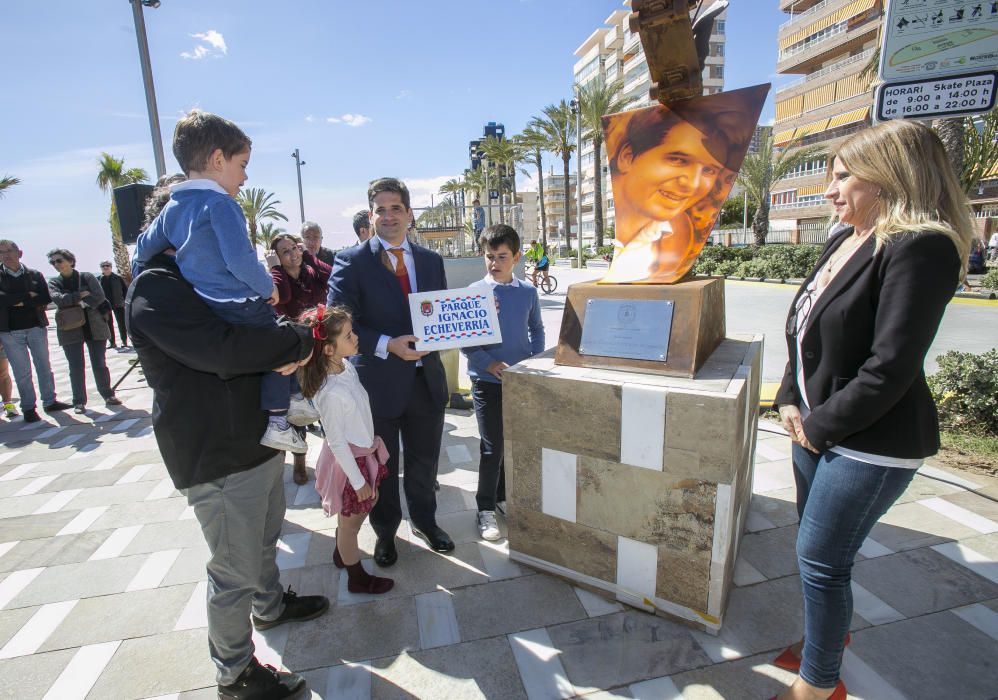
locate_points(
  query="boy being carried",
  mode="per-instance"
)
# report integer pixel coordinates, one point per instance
(519, 312)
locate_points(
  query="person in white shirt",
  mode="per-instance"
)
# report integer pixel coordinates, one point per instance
(993, 246)
(351, 465)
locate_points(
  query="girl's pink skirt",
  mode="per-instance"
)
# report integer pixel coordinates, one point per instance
(338, 496)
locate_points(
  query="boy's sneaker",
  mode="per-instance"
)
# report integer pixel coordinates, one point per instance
(297, 608)
(488, 528)
(57, 406)
(287, 440)
(302, 412)
(501, 507)
(258, 682)
(11, 410)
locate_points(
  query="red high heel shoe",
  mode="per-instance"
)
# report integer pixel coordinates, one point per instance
(839, 693)
(789, 661)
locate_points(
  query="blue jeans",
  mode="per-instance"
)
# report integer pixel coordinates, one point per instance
(22, 347)
(839, 500)
(275, 389)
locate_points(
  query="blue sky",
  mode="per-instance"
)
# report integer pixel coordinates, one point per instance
(363, 89)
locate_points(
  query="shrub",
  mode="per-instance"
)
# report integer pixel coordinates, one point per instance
(990, 279)
(966, 391)
(726, 267)
(755, 267)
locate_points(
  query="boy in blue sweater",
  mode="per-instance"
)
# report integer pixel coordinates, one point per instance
(522, 337)
(207, 228)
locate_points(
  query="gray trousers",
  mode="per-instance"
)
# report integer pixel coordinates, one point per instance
(241, 517)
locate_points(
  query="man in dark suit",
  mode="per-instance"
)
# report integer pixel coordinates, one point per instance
(407, 388)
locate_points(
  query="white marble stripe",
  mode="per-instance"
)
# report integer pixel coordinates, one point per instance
(872, 549)
(768, 453)
(81, 522)
(270, 645)
(980, 616)
(292, 550)
(36, 485)
(110, 462)
(863, 682)
(68, 440)
(145, 431)
(134, 474)
(656, 689)
(961, 515)
(57, 502)
(153, 571)
(498, 565)
(596, 605)
(195, 613)
(349, 681)
(722, 647)
(943, 475)
(114, 545)
(19, 471)
(540, 667)
(642, 426)
(50, 432)
(558, 484)
(36, 630)
(436, 619)
(871, 608)
(124, 425)
(4, 458)
(162, 490)
(106, 417)
(637, 567)
(187, 514)
(972, 559)
(7, 546)
(16, 582)
(83, 670)
(306, 495)
(172, 696)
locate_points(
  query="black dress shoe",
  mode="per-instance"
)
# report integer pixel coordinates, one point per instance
(31, 416)
(56, 406)
(434, 536)
(258, 682)
(385, 553)
(297, 608)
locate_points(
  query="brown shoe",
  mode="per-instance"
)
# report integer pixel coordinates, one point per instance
(300, 475)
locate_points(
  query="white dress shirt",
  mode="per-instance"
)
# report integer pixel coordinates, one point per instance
(410, 265)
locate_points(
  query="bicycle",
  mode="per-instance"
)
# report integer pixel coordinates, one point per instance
(547, 283)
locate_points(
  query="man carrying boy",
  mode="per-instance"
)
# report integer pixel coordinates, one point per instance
(519, 312)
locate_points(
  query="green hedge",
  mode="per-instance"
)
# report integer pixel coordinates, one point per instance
(990, 279)
(966, 391)
(771, 261)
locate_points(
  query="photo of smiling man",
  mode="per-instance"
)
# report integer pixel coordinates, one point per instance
(671, 168)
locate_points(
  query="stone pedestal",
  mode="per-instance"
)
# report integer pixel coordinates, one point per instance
(635, 485)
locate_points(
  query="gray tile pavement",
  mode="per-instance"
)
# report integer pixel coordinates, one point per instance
(102, 589)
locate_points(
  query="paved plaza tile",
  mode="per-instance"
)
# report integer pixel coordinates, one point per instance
(102, 588)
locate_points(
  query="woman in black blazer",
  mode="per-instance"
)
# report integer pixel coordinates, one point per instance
(854, 397)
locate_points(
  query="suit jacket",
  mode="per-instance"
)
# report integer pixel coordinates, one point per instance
(865, 342)
(361, 282)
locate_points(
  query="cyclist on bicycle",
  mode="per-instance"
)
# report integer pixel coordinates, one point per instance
(541, 262)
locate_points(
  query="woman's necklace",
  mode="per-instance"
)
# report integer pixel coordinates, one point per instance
(828, 271)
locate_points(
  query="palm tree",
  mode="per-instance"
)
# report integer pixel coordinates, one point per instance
(558, 125)
(761, 169)
(980, 149)
(268, 232)
(258, 205)
(597, 99)
(534, 143)
(7, 181)
(503, 154)
(474, 181)
(452, 187)
(111, 173)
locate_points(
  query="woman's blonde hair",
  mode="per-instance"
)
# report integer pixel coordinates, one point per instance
(919, 189)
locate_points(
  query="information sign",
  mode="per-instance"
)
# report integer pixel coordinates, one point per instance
(454, 318)
(939, 97)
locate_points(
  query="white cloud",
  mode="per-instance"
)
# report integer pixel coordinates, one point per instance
(309, 118)
(213, 44)
(403, 95)
(350, 119)
(351, 209)
(333, 120)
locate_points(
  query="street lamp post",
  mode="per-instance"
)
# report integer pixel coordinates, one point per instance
(140, 35)
(301, 199)
(577, 111)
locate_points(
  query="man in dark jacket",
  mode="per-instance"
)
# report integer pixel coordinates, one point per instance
(115, 290)
(24, 294)
(205, 375)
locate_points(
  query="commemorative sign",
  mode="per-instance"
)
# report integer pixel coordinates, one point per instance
(454, 318)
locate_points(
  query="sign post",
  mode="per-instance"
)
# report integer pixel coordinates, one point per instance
(938, 58)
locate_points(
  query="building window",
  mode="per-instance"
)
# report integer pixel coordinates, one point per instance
(716, 49)
(588, 70)
(717, 72)
(811, 167)
(719, 26)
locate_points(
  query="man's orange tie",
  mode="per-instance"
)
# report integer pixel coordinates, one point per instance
(401, 272)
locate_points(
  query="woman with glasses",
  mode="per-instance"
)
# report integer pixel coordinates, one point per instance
(854, 397)
(71, 289)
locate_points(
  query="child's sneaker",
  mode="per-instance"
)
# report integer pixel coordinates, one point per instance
(287, 439)
(488, 528)
(11, 410)
(302, 412)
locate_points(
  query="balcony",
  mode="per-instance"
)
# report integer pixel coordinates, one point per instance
(853, 38)
(800, 16)
(857, 61)
(803, 50)
(797, 6)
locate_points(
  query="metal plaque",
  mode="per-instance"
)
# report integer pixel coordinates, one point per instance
(631, 328)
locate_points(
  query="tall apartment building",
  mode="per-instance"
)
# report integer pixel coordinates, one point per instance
(554, 205)
(828, 43)
(613, 52)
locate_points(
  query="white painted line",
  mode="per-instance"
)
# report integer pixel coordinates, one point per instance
(863, 682)
(4, 458)
(948, 477)
(36, 630)
(292, 550)
(134, 474)
(498, 565)
(768, 453)
(81, 522)
(153, 571)
(458, 454)
(19, 471)
(50, 432)
(110, 462)
(7, 546)
(746, 574)
(961, 515)
(436, 619)
(83, 670)
(164, 489)
(349, 681)
(980, 616)
(540, 667)
(68, 440)
(195, 613)
(596, 605)
(36, 485)
(16, 582)
(973, 560)
(642, 426)
(124, 425)
(558, 484)
(656, 689)
(637, 567)
(871, 608)
(114, 545)
(56, 503)
(872, 549)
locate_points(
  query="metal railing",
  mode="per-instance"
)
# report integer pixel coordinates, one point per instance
(806, 13)
(808, 43)
(806, 233)
(864, 56)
